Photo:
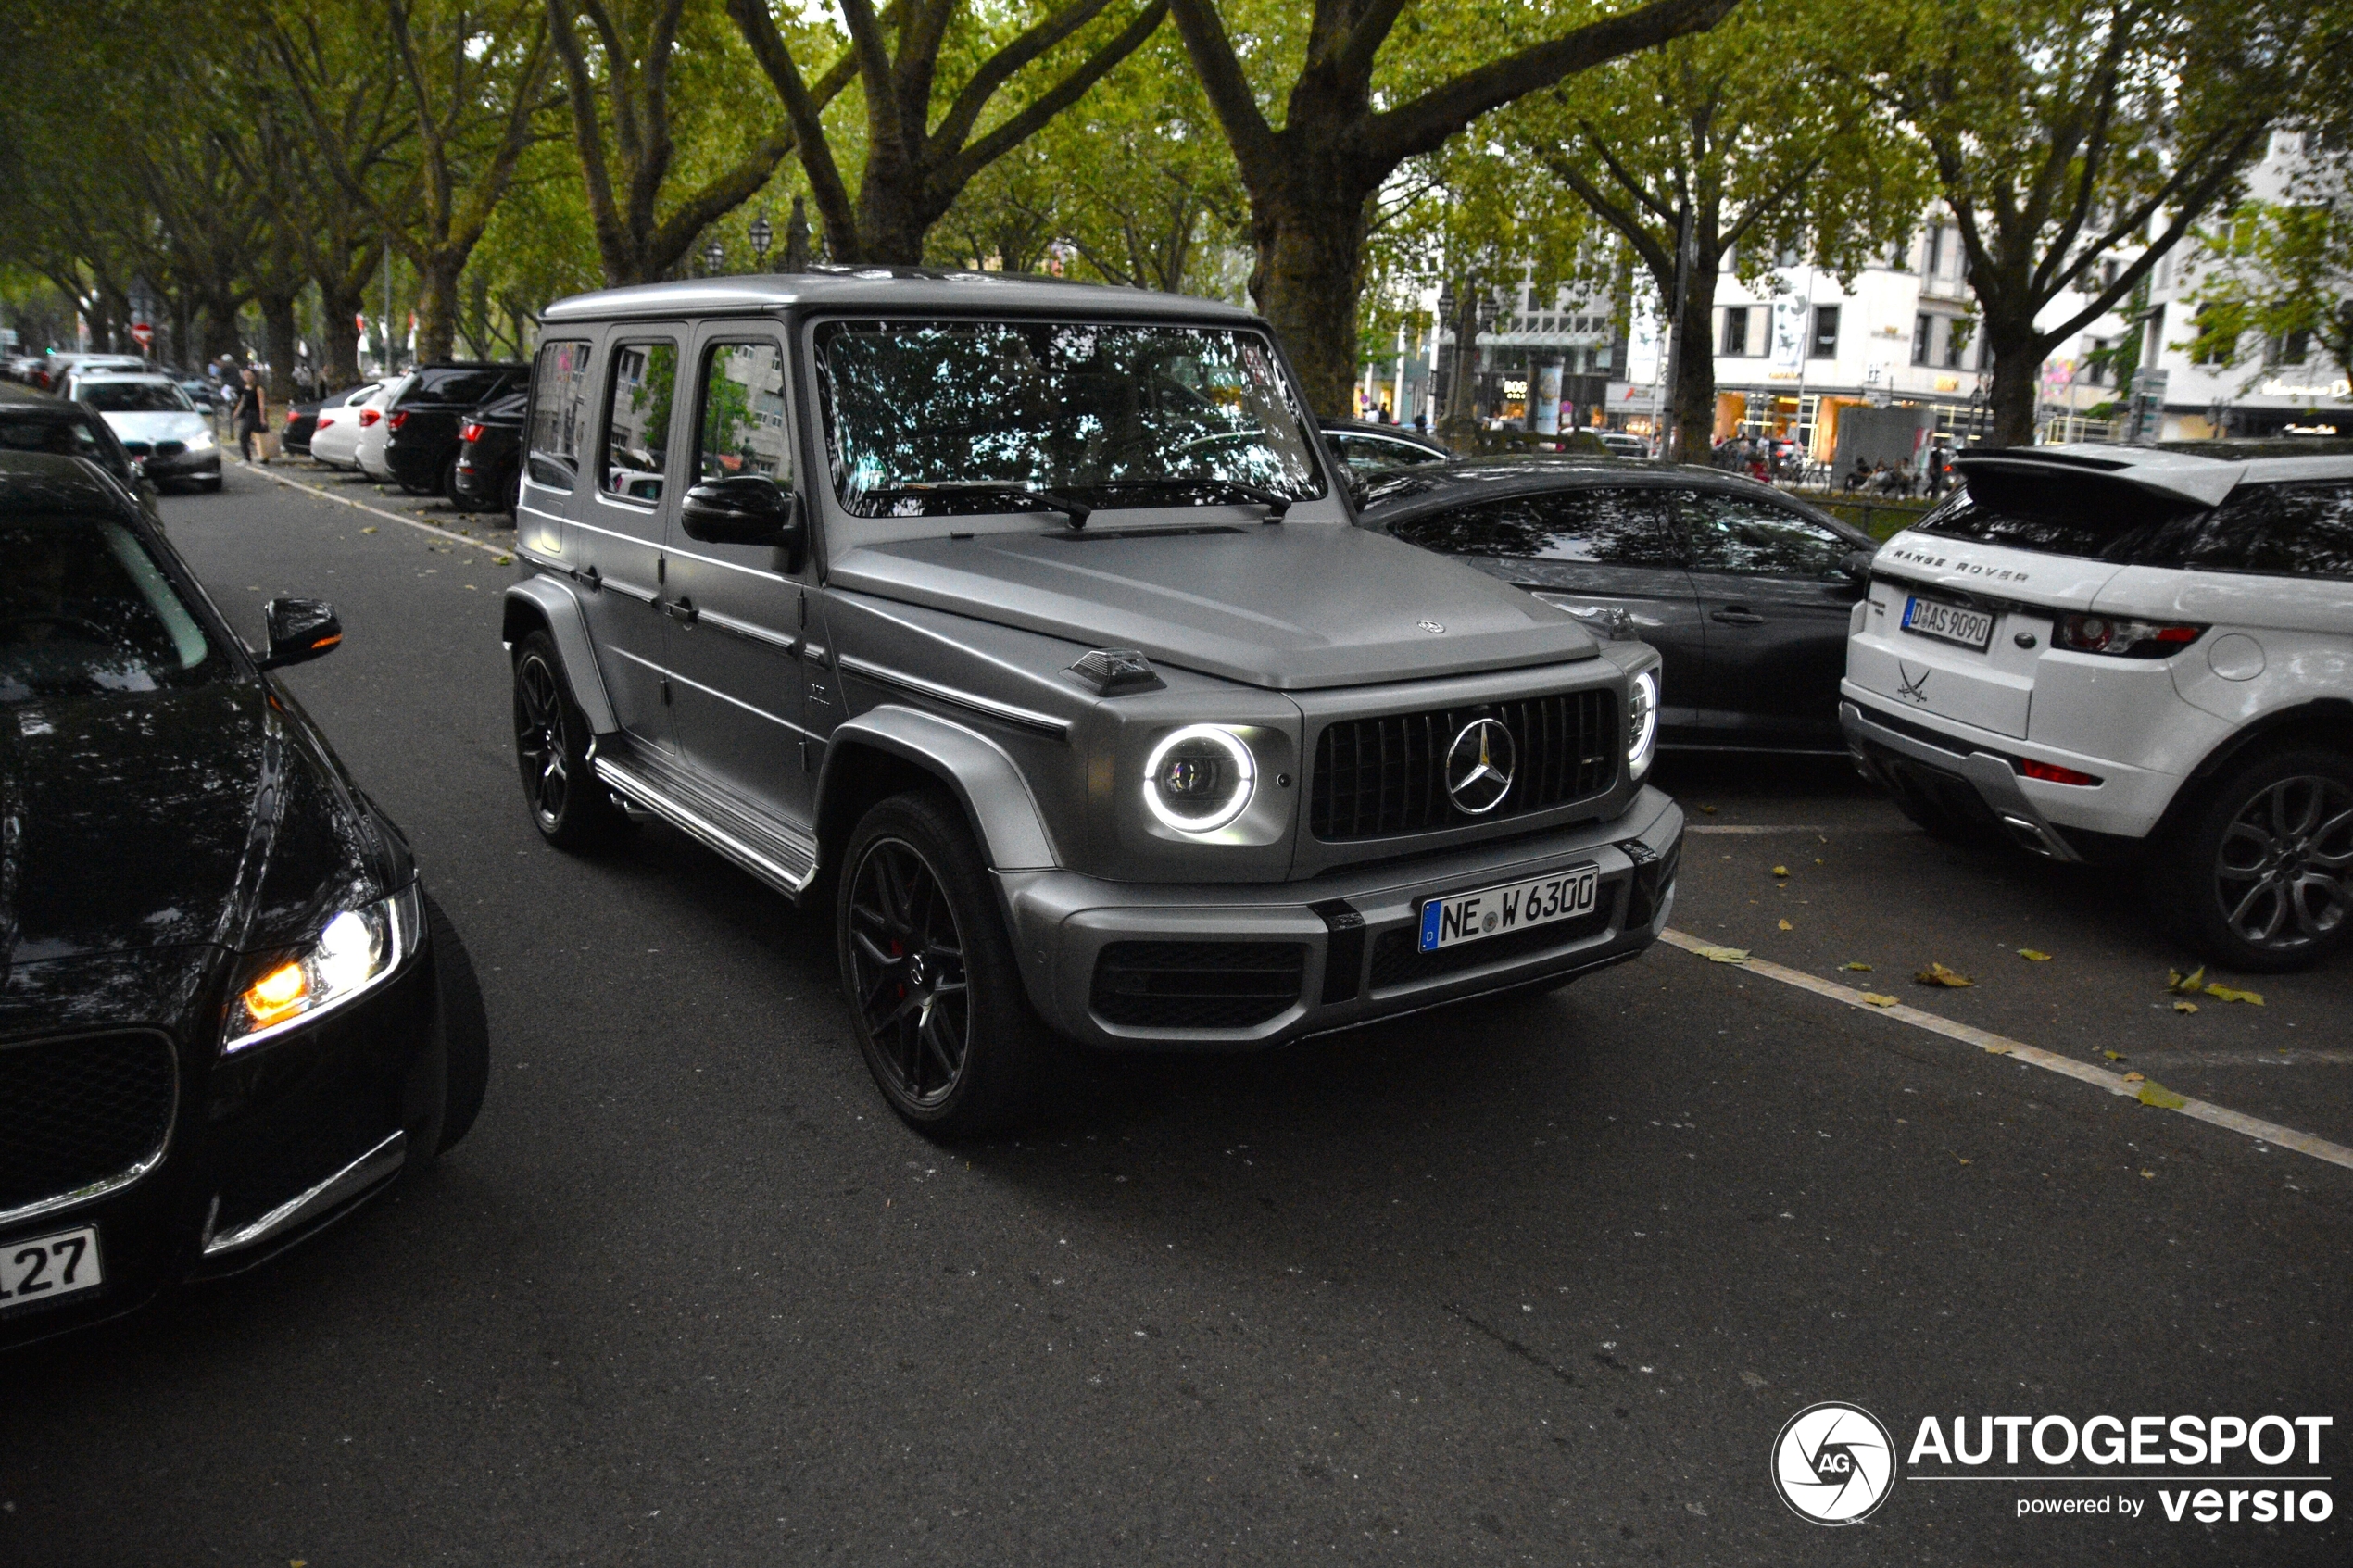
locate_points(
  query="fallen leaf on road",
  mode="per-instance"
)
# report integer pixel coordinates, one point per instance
(1876, 1000)
(2185, 1006)
(1937, 974)
(2225, 994)
(502, 561)
(1858, 967)
(2031, 956)
(1781, 870)
(2113, 1056)
(2156, 1094)
(2150, 1174)
(2187, 984)
(1786, 926)
(370, 528)
(2136, 1077)
(1723, 954)
(1997, 1050)
(1707, 811)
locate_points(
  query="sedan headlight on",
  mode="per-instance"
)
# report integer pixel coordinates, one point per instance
(354, 952)
(1642, 722)
(1199, 779)
(200, 441)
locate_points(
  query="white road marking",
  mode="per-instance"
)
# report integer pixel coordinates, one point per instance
(374, 511)
(1752, 830)
(2289, 1058)
(2035, 1056)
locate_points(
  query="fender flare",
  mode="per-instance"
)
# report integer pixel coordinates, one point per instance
(986, 781)
(543, 600)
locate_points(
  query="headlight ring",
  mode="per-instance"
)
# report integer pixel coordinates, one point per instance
(1641, 721)
(1200, 778)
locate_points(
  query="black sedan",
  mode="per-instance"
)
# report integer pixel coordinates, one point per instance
(74, 430)
(1745, 590)
(229, 1012)
(1368, 451)
(488, 476)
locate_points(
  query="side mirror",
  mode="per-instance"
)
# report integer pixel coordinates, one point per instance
(749, 508)
(1857, 564)
(300, 630)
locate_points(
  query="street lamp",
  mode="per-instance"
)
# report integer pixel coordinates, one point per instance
(714, 256)
(761, 235)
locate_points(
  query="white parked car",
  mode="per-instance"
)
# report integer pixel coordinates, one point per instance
(2132, 655)
(375, 416)
(155, 422)
(334, 439)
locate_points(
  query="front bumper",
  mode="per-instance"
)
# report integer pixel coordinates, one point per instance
(1279, 962)
(183, 466)
(264, 1150)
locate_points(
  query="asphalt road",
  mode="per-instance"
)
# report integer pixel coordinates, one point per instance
(1537, 1280)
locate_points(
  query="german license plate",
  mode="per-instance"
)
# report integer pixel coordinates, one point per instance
(1491, 911)
(1948, 623)
(43, 1266)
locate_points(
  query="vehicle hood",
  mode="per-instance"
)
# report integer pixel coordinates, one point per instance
(1284, 605)
(171, 818)
(174, 425)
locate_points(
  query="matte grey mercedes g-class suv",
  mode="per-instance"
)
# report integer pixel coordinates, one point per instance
(1027, 622)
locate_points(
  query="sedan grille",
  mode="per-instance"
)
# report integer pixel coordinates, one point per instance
(76, 1111)
(1197, 984)
(1376, 778)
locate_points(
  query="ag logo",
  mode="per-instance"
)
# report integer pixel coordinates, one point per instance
(1833, 1463)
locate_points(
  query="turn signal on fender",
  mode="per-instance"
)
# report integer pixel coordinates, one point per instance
(277, 996)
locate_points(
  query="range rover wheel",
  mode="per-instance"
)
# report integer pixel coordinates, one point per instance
(571, 808)
(928, 970)
(2260, 877)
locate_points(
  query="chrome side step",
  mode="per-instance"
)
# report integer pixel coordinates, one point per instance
(376, 1165)
(778, 855)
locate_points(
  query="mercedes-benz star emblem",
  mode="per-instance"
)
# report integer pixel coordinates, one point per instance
(1479, 765)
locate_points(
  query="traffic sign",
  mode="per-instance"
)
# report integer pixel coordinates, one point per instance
(142, 333)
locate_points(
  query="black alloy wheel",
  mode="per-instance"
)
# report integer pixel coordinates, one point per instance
(2262, 877)
(933, 992)
(571, 808)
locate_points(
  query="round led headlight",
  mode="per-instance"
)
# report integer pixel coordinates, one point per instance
(1641, 721)
(1199, 779)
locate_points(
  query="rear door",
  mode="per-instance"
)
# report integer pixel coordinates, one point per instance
(1590, 552)
(618, 526)
(738, 610)
(1776, 606)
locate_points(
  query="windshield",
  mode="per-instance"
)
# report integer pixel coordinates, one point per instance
(85, 609)
(136, 398)
(59, 428)
(931, 417)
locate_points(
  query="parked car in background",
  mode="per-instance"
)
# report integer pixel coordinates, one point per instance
(335, 433)
(1622, 444)
(302, 418)
(155, 422)
(488, 475)
(421, 439)
(1367, 449)
(2133, 655)
(232, 1012)
(74, 430)
(1745, 591)
(376, 428)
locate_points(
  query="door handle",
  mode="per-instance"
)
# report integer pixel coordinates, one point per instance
(682, 610)
(1737, 615)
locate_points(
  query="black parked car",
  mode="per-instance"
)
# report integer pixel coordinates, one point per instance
(489, 472)
(74, 430)
(230, 1013)
(422, 448)
(1745, 590)
(1369, 450)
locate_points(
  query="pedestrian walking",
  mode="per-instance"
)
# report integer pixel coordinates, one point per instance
(1940, 470)
(251, 414)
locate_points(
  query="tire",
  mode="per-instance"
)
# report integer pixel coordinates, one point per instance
(928, 972)
(511, 490)
(465, 1029)
(449, 487)
(571, 809)
(2258, 876)
(211, 486)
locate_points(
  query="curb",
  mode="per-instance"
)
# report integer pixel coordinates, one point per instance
(502, 556)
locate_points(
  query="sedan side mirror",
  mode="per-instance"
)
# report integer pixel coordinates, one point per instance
(300, 630)
(1857, 564)
(749, 508)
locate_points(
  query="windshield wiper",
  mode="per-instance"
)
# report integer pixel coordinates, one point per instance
(1276, 504)
(1077, 512)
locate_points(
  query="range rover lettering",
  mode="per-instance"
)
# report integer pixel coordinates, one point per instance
(1026, 625)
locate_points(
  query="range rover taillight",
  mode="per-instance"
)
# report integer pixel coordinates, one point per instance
(2123, 638)
(399, 419)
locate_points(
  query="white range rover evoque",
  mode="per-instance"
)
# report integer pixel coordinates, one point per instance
(2132, 655)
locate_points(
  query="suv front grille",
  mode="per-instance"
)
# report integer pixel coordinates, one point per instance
(1376, 778)
(1197, 984)
(76, 1111)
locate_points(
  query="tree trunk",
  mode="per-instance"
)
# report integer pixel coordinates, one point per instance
(278, 342)
(183, 341)
(2018, 374)
(338, 338)
(437, 305)
(1693, 393)
(220, 329)
(892, 223)
(1310, 235)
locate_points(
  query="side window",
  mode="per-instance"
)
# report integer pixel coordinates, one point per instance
(742, 427)
(559, 413)
(643, 386)
(1609, 527)
(2282, 530)
(467, 387)
(1491, 528)
(1741, 534)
